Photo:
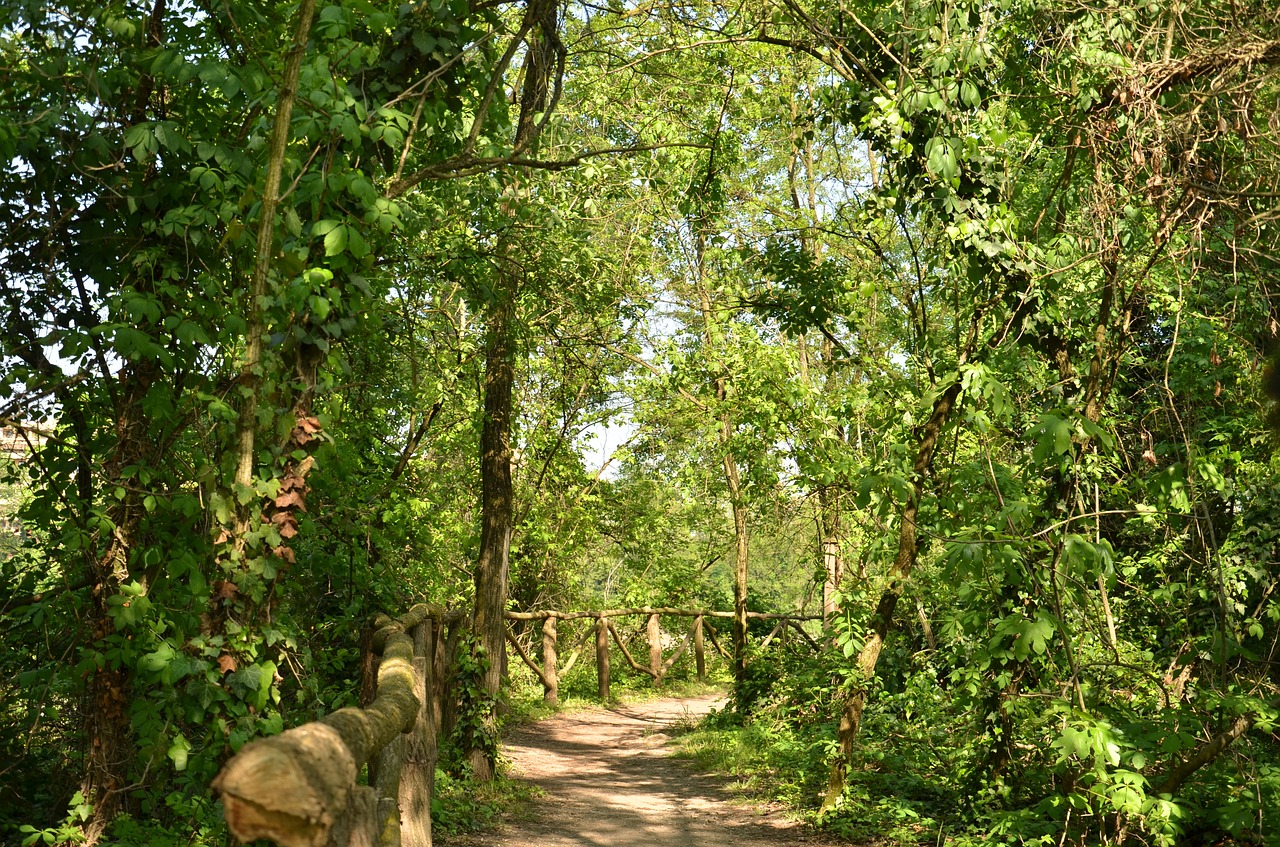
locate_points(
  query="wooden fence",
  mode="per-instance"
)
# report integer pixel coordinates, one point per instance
(301, 788)
(549, 672)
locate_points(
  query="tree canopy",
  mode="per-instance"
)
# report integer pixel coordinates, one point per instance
(946, 320)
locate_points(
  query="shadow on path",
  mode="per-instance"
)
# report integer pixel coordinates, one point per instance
(608, 782)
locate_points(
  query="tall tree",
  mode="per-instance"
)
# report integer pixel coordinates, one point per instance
(178, 347)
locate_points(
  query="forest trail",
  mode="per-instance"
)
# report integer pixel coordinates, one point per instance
(609, 781)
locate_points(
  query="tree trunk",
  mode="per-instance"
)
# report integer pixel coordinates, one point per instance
(110, 749)
(733, 480)
(602, 658)
(496, 511)
(741, 557)
(903, 565)
(497, 495)
(550, 662)
(251, 371)
(418, 774)
(832, 561)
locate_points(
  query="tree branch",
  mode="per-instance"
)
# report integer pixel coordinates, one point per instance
(469, 165)
(1204, 754)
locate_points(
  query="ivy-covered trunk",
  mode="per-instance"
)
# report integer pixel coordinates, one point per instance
(496, 511)
(109, 746)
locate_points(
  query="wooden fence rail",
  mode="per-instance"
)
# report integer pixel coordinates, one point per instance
(300, 788)
(654, 610)
(549, 674)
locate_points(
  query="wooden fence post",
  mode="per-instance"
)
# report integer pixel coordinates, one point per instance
(655, 649)
(602, 657)
(386, 779)
(551, 683)
(699, 654)
(299, 787)
(361, 826)
(418, 773)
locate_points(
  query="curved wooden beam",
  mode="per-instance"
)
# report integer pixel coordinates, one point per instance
(298, 788)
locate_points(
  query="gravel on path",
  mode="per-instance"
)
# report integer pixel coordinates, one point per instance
(608, 781)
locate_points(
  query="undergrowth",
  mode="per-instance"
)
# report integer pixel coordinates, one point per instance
(463, 806)
(920, 775)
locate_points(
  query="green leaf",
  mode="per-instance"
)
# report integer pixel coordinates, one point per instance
(178, 751)
(155, 661)
(319, 307)
(335, 241)
(1052, 436)
(1038, 632)
(141, 139)
(1072, 742)
(357, 245)
(133, 588)
(1105, 747)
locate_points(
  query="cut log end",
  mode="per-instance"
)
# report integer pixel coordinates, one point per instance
(248, 821)
(290, 788)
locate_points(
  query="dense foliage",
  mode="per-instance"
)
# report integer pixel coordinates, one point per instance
(946, 319)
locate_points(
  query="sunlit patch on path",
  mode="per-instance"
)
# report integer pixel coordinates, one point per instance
(609, 781)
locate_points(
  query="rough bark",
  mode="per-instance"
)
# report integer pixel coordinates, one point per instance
(550, 676)
(496, 509)
(110, 747)
(386, 779)
(542, 65)
(602, 658)
(417, 776)
(361, 824)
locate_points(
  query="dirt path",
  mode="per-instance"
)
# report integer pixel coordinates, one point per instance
(609, 782)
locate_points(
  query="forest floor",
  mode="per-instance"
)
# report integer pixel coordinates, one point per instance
(607, 779)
